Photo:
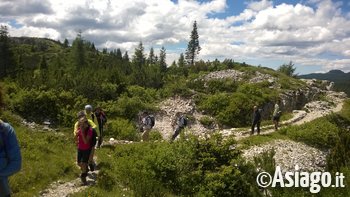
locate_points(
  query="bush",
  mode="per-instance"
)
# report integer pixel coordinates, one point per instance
(320, 133)
(122, 129)
(206, 121)
(186, 167)
(155, 135)
(146, 95)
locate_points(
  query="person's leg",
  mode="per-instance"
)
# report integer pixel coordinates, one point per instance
(275, 122)
(79, 157)
(252, 129)
(83, 173)
(176, 133)
(145, 134)
(100, 138)
(84, 165)
(91, 159)
(258, 126)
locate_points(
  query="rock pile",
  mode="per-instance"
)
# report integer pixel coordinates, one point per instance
(260, 77)
(236, 75)
(290, 153)
(35, 126)
(225, 74)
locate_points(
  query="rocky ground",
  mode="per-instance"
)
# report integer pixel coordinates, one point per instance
(288, 154)
(63, 189)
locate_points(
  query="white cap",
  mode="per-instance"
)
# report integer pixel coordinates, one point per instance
(88, 107)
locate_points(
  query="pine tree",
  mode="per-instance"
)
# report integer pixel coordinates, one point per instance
(150, 59)
(65, 43)
(181, 62)
(173, 64)
(126, 57)
(79, 52)
(119, 54)
(6, 56)
(138, 59)
(162, 60)
(193, 47)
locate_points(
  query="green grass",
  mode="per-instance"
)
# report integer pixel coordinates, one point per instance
(46, 157)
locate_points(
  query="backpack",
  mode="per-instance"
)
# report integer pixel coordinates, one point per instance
(153, 121)
(183, 121)
(93, 137)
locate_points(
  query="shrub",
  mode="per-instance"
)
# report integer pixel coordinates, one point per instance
(206, 121)
(186, 167)
(155, 135)
(122, 129)
(320, 133)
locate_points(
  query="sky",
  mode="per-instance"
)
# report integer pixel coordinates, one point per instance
(313, 34)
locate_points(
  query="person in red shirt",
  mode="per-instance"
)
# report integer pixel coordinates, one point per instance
(83, 137)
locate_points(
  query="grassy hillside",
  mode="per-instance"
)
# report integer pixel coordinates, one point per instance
(59, 80)
(47, 156)
(51, 81)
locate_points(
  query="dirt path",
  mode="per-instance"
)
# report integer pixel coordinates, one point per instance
(316, 109)
(63, 189)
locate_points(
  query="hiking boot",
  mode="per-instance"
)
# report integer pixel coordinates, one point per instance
(83, 178)
(92, 167)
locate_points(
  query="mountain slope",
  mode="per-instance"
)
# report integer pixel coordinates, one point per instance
(340, 79)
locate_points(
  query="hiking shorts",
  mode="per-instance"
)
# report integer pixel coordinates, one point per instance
(276, 118)
(83, 156)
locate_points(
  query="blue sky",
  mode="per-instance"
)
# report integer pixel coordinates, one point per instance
(314, 34)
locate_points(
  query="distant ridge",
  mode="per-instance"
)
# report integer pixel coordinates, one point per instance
(340, 78)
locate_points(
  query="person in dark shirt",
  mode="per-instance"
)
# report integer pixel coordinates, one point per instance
(101, 120)
(256, 120)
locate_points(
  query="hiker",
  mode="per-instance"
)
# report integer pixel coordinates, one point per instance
(147, 124)
(179, 124)
(10, 157)
(101, 120)
(276, 115)
(256, 120)
(83, 140)
(89, 114)
(80, 115)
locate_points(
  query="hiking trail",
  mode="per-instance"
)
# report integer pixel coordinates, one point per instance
(62, 189)
(298, 153)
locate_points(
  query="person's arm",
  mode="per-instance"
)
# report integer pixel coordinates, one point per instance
(92, 124)
(13, 151)
(75, 131)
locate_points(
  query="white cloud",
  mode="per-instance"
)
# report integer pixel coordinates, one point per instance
(260, 5)
(263, 30)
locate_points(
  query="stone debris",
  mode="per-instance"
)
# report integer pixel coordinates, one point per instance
(288, 154)
(236, 75)
(260, 77)
(225, 74)
(35, 126)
